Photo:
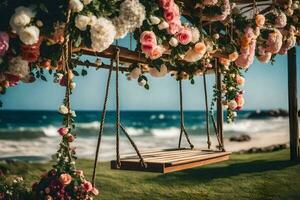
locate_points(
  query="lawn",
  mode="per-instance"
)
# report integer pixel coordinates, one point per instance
(260, 176)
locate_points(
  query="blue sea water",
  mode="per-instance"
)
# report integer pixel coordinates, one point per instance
(31, 134)
(32, 124)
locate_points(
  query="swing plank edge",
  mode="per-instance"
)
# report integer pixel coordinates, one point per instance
(159, 165)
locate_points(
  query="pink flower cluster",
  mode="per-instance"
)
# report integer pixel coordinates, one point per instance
(171, 15)
(247, 51)
(149, 45)
(4, 43)
(274, 42)
(61, 186)
(289, 40)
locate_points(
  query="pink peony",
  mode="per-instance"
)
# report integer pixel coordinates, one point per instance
(184, 36)
(274, 42)
(240, 101)
(148, 37)
(4, 43)
(63, 131)
(166, 4)
(87, 186)
(172, 14)
(174, 27)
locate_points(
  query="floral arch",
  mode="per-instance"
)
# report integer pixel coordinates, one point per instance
(184, 38)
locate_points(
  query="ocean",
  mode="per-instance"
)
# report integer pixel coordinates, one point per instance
(32, 135)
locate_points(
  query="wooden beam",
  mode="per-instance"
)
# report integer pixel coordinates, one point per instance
(293, 105)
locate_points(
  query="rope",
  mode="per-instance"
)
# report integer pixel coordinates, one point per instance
(134, 146)
(103, 115)
(182, 128)
(217, 134)
(117, 110)
(206, 111)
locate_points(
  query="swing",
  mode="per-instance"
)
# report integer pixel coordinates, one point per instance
(168, 160)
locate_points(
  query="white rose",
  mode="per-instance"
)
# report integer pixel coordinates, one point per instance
(142, 83)
(173, 42)
(154, 20)
(86, 2)
(29, 35)
(195, 35)
(163, 25)
(72, 85)
(93, 20)
(21, 18)
(81, 22)
(75, 5)
(18, 67)
(135, 73)
(63, 110)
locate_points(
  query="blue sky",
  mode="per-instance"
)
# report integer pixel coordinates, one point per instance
(265, 88)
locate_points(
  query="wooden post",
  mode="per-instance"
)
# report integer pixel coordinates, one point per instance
(219, 105)
(293, 105)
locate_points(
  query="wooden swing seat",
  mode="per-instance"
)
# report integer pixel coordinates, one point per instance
(171, 160)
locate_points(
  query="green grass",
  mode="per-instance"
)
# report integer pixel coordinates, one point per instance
(250, 176)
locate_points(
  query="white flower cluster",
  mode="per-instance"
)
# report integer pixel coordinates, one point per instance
(132, 15)
(20, 24)
(103, 33)
(18, 67)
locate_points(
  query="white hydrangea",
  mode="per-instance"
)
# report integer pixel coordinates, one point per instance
(132, 16)
(18, 67)
(82, 21)
(21, 18)
(103, 33)
(29, 35)
(75, 5)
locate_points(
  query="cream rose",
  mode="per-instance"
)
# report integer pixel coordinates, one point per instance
(21, 18)
(75, 5)
(154, 20)
(82, 21)
(135, 73)
(29, 35)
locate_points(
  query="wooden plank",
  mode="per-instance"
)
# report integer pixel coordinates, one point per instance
(293, 105)
(203, 157)
(175, 168)
(136, 166)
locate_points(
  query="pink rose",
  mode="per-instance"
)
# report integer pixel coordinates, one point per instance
(63, 131)
(240, 101)
(4, 43)
(65, 179)
(172, 14)
(166, 4)
(184, 36)
(147, 48)
(87, 186)
(148, 37)
(174, 27)
(156, 53)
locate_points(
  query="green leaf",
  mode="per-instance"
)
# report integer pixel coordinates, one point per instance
(44, 8)
(43, 78)
(78, 41)
(83, 72)
(75, 73)
(147, 87)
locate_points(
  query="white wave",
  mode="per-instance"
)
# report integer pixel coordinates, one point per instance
(89, 125)
(50, 131)
(256, 126)
(166, 133)
(161, 116)
(134, 131)
(152, 117)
